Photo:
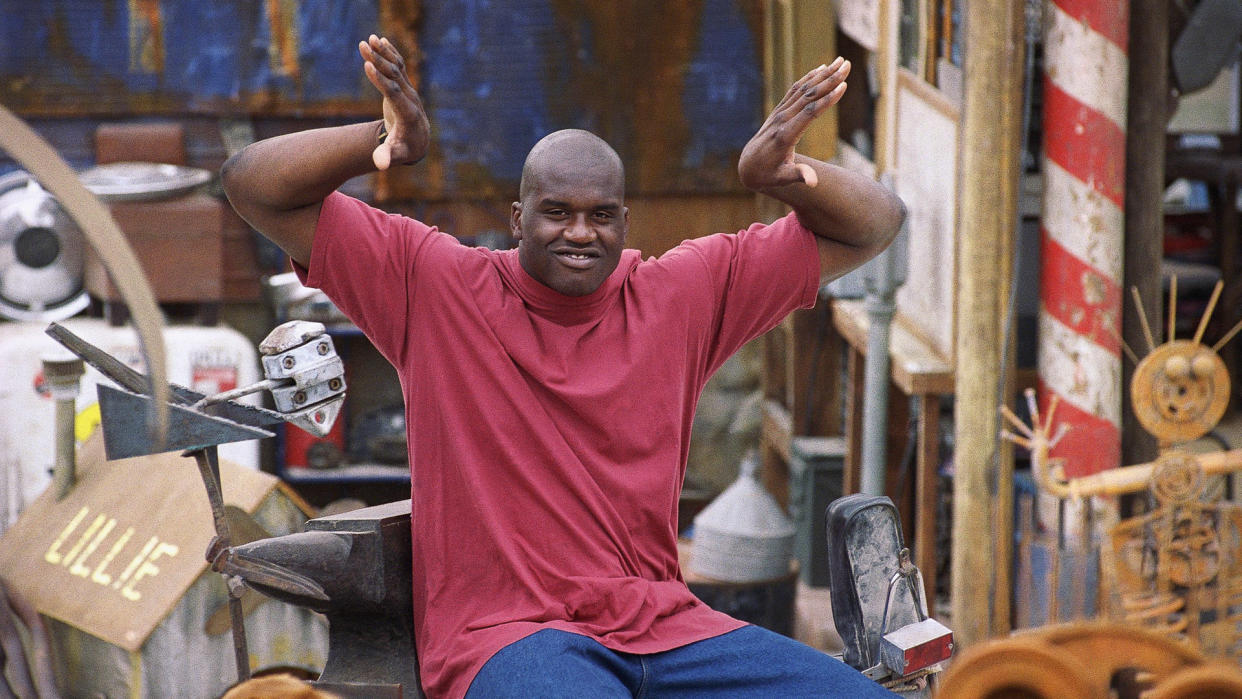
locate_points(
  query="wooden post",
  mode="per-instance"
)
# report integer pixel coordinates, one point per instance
(1145, 134)
(990, 166)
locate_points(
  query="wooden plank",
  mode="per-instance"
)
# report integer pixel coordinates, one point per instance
(926, 179)
(990, 172)
(917, 368)
(816, 404)
(814, 43)
(113, 559)
(775, 432)
(777, 429)
(886, 71)
(852, 478)
(926, 489)
(927, 41)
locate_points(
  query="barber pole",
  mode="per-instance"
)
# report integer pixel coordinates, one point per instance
(1085, 79)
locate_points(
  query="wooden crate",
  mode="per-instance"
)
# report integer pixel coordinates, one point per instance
(179, 243)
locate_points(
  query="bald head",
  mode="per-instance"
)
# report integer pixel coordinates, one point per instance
(573, 153)
(571, 221)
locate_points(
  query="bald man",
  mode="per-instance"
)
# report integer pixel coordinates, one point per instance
(549, 391)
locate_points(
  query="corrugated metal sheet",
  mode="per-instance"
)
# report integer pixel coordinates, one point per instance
(123, 57)
(675, 87)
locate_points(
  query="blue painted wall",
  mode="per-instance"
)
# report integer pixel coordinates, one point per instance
(677, 89)
(202, 55)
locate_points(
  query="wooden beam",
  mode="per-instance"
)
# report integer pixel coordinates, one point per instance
(916, 367)
(1144, 237)
(990, 168)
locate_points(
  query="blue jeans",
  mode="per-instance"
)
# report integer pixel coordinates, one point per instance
(748, 662)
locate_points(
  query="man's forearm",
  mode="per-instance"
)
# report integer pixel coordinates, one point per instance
(298, 169)
(845, 207)
(278, 184)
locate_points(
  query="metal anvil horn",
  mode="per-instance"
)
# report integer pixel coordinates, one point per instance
(356, 569)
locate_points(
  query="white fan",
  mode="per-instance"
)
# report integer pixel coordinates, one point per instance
(42, 254)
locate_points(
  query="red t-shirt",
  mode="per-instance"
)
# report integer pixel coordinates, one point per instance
(548, 434)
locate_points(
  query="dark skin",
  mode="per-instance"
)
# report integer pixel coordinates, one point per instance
(852, 216)
(571, 221)
(278, 185)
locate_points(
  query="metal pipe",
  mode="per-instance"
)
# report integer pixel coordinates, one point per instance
(208, 461)
(881, 278)
(63, 376)
(1144, 212)
(264, 385)
(880, 307)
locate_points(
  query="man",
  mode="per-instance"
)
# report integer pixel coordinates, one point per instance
(550, 391)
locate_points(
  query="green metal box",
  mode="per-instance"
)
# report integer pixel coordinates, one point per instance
(815, 471)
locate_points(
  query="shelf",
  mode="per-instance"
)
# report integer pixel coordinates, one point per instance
(352, 473)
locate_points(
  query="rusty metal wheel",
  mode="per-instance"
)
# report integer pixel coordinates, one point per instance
(1209, 681)
(1025, 668)
(1180, 391)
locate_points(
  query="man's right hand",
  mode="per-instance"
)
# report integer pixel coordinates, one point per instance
(405, 120)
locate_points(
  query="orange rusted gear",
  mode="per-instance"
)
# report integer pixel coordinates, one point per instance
(1018, 666)
(1083, 660)
(1207, 681)
(1180, 391)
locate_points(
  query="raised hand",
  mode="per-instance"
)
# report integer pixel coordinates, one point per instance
(768, 161)
(405, 120)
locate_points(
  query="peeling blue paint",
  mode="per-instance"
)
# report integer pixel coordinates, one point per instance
(207, 52)
(496, 75)
(329, 32)
(212, 50)
(723, 85)
(483, 76)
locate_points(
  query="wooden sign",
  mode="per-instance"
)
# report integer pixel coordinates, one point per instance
(118, 552)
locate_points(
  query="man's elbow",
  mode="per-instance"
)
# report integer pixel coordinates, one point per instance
(891, 216)
(231, 176)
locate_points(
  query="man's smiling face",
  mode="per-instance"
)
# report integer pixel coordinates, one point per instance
(571, 221)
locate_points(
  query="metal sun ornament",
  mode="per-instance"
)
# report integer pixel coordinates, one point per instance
(1179, 392)
(1184, 557)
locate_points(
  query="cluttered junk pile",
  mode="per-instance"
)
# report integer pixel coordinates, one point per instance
(104, 580)
(106, 591)
(1152, 607)
(105, 577)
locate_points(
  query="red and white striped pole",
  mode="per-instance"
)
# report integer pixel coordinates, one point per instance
(1085, 78)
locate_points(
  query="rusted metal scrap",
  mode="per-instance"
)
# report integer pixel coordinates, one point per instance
(1178, 568)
